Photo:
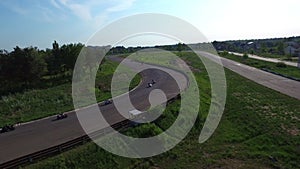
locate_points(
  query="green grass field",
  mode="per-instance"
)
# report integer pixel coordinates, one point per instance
(39, 103)
(287, 70)
(259, 129)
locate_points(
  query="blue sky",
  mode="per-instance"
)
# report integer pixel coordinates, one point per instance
(40, 22)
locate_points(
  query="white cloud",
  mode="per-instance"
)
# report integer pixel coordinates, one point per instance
(20, 10)
(64, 2)
(55, 4)
(48, 15)
(84, 10)
(121, 6)
(81, 11)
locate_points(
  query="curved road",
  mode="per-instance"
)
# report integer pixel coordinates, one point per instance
(47, 132)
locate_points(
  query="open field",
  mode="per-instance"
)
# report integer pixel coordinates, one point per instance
(259, 129)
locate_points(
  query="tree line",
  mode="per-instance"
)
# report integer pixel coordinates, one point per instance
(129, 50)
(27, 68)
(266, 47)
(31, 68)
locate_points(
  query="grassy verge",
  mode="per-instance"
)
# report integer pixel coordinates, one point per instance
(275, 67)
(259, 129)
(35, 104)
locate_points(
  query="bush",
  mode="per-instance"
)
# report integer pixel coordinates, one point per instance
(245, 56)
(281, 64)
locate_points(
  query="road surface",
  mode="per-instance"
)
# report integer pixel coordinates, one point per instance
(278, 83)
(46, 133)
(274, 60)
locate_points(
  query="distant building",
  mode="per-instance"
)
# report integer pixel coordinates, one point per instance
(292, 49)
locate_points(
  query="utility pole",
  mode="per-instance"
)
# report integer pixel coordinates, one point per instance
(299, 61)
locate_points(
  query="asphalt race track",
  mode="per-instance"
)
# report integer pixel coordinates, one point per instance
(48, 132)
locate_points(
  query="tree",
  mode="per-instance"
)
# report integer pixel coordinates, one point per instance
(180, 47)
(69, 54)
(245, 57)
(62, 59)
(54, 60)
(263, 48)
(24, 68)
(20, 69)
(27, 66)
(280, 48)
